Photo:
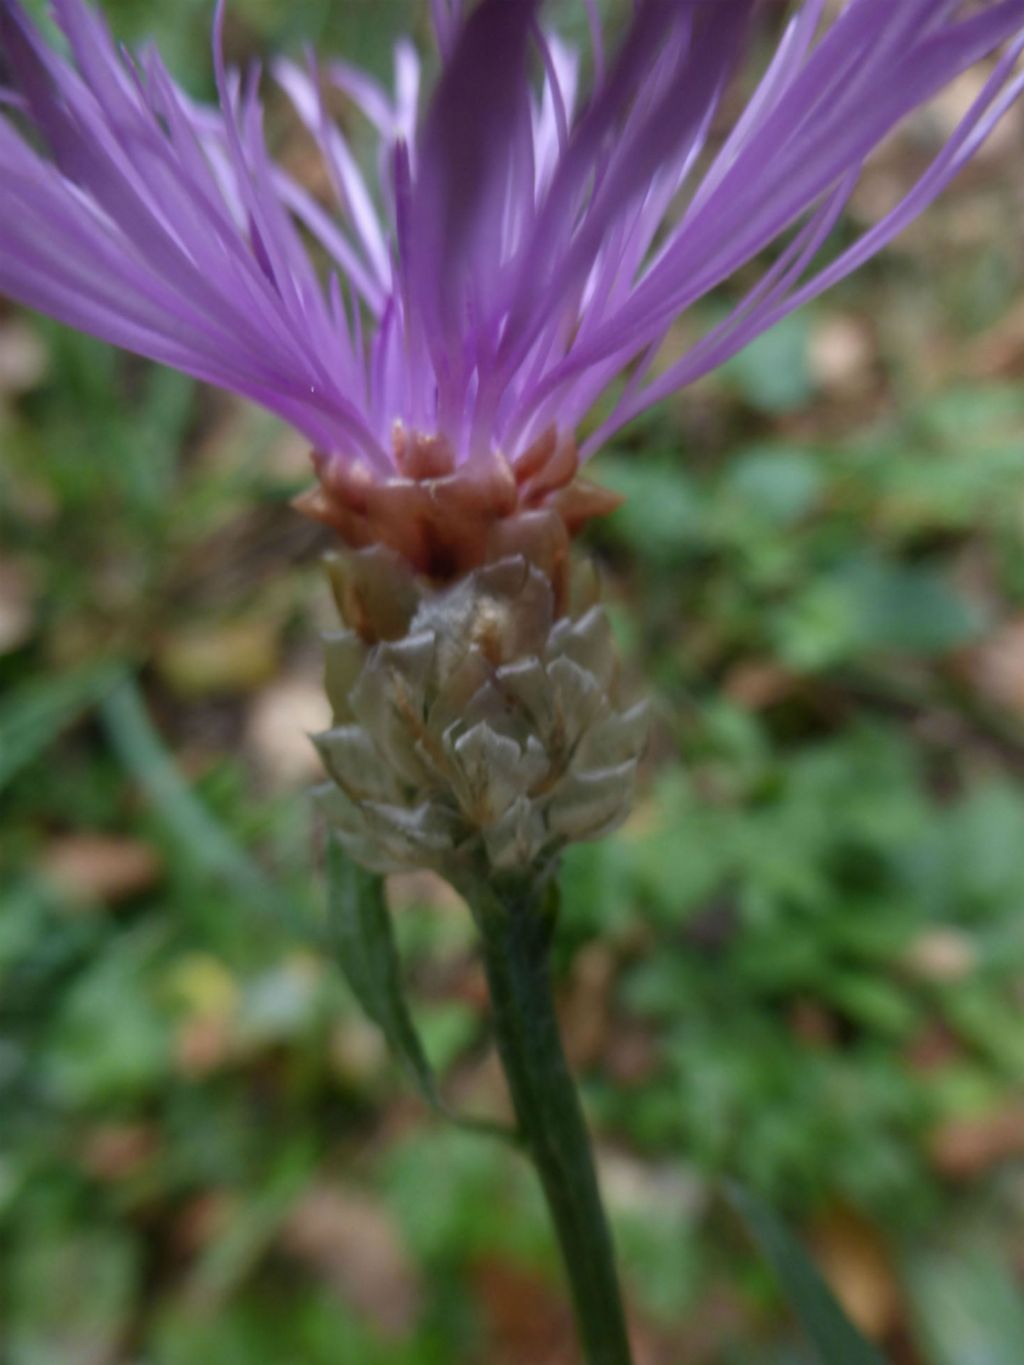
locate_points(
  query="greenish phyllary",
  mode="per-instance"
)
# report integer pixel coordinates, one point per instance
(473, 724)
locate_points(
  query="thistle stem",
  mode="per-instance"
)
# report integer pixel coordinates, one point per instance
(516, 926)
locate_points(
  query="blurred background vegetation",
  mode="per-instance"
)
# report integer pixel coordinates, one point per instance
(801, 962)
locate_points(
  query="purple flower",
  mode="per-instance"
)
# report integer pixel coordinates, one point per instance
(528, 242)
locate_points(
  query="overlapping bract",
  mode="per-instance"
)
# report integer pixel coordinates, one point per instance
(528, 241)
(475, 726)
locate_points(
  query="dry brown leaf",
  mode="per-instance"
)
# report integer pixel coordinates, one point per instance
(585, 1010)
(998, 350)
(358, 1051)
(964, 1148)
(17, 615)
(631, 1054)
(24, 358)
(528, 1318)
(281, 719)
(202, 1220)
(842, 354)
(114, 1152)
(413, 890)
(530, 1322)
(855, 1261)
(813, 1024)
(996, 666)
(91, 869)
(479, 1088)
(942, 955)
(757, 684)
(666, 1189)
(354, 1245)
(202, 1045)
(934, 1047)
(953, 102)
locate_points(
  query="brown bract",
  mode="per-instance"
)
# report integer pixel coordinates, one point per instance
(446, 520)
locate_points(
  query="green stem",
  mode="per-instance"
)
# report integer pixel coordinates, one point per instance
(516, 924)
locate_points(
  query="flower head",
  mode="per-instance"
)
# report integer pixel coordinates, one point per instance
(528, 242)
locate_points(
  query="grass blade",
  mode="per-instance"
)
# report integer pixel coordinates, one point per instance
(361, 931)
(34, 715)
(833, 1336)
(203, 839)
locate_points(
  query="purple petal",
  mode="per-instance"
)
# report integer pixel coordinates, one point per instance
(130, 233)
(526, 248)
(464, 157)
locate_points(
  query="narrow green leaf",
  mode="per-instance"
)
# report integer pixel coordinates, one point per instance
(228, 1261)
(33, 716)
(359, 925)
(968, 1309)
(833, 1336)
(361, 929)
(204, 841)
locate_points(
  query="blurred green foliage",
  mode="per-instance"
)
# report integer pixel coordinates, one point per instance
(801, 963)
